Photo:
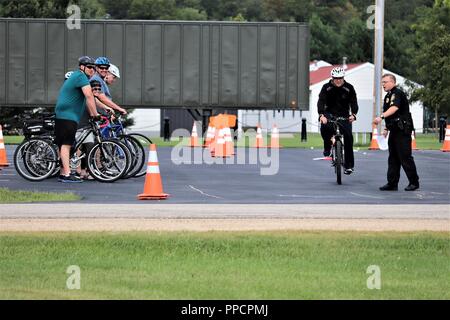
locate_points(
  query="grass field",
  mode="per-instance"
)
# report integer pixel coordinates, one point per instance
(314, 140)
(225, 265)
(15, 196)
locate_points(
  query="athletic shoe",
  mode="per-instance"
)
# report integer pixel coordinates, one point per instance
(348, 171)
(412, 187)
(69, 179)
(327, 154)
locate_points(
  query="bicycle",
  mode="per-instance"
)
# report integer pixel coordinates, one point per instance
(135, 142)
(337, 149)
(37, 158)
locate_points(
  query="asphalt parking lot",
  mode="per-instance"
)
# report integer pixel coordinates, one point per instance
(294, 176)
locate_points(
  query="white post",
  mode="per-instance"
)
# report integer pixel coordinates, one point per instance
(378, 56)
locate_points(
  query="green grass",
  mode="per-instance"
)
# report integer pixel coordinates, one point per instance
(15, 196)
(221, 265)
(13, 139)
(314, 140)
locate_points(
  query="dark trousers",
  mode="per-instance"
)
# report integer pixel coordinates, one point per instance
(400, 156)
(327, 131)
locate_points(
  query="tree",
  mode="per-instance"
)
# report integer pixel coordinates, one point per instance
(117, 9)
(432, 59)
(325, 41)
(152, 9)
(190, 14)
(33, 8)
(357, 41)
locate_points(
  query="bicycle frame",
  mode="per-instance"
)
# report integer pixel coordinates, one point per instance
(337, 148)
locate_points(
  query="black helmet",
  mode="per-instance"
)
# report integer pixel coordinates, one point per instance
(85, 60)
(95, 83)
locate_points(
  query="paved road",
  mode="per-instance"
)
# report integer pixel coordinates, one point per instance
(299, 179)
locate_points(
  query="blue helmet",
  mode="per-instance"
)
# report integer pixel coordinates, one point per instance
(102, 61)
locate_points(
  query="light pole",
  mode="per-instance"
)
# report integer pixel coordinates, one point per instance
(378, 57)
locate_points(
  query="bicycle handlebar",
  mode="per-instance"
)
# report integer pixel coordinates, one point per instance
(333, 119)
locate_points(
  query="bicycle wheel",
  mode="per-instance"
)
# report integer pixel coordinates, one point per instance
(35, 159)
(338, 161)
(137, 155)
(145, 143)
(108, 160)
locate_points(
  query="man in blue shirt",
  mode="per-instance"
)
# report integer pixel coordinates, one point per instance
(102, 66)
(74, 95)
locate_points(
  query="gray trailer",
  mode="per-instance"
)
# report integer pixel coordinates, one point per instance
(163, 64)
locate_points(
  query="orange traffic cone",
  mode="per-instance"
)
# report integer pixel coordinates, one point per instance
(259, 138)
(194, 137)
(210, 134)
(229, 144)
(153, 186)
(275, 137)
(220, 146)
(213, 143)
(3, 159)
(446, 145)
(413, 141)
(374, 143)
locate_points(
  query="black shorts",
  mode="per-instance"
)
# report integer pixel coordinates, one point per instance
(65, 131)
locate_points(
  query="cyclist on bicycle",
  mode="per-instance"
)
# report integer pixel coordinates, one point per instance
(338, 99)
(84, 123)
(102, 66)
(74, 96)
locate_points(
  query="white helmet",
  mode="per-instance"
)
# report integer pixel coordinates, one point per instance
(114, 70)
(338, 72)
(67, 75)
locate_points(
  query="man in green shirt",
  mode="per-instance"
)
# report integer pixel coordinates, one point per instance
(74, 95)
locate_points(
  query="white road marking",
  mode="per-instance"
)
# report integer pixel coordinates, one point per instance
(365, 195)
(308, 196)
(203, 193)
(322, 158)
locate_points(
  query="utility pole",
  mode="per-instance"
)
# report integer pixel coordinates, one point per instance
(378, 57)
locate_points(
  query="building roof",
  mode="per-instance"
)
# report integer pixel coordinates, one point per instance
(323, 73)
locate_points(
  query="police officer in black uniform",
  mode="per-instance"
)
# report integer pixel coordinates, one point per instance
(338, 99)
(399, 124)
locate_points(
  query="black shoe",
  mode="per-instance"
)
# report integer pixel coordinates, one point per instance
(412, 187)
(69, 179)
(388, 187)
(327, 154)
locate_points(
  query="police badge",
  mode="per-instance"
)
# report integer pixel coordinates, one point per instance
(392, 98)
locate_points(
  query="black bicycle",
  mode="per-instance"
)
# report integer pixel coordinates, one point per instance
(337, 150)
(37, 158)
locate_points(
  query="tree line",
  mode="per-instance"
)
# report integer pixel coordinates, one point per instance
(417, 32)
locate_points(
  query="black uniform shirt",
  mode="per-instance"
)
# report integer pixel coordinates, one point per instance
(395, 97)
(338, 101)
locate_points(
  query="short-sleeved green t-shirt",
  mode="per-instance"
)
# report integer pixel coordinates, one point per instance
(71, 102)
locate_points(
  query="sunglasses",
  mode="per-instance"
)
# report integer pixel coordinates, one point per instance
(338, 78)
(89, 66)
(103, 67)
(96, 89)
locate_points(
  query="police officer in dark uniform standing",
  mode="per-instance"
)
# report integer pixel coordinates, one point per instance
(399, 124)
(338, 99)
